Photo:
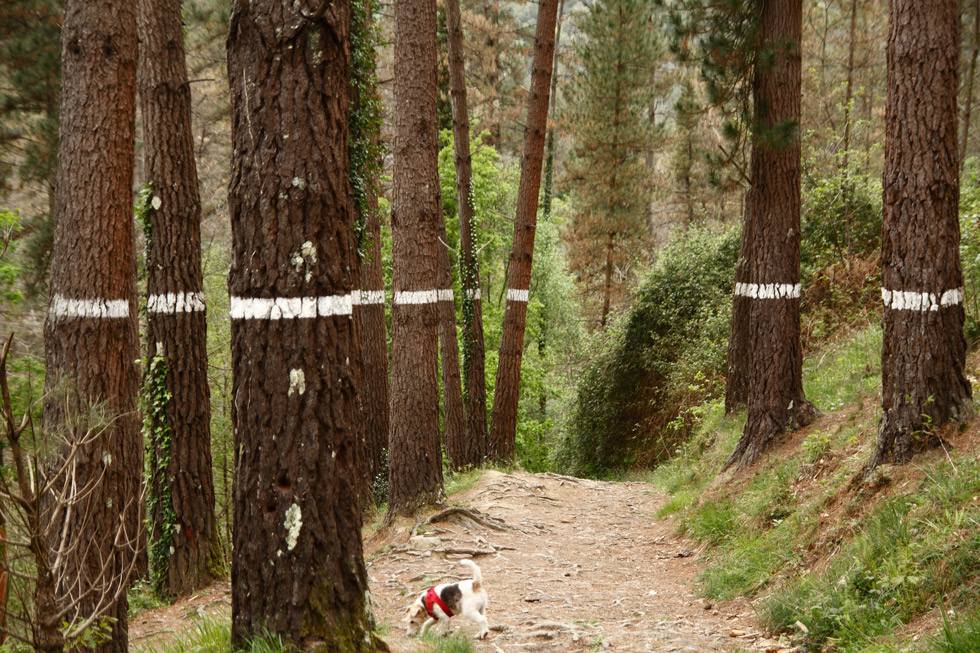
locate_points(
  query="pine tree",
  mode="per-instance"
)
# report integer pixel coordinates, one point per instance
(612, 131)
(501, 440)
(924, 350)
(294, 346)
(90, 335)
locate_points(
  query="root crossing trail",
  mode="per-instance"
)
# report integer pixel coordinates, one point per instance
(578, 565)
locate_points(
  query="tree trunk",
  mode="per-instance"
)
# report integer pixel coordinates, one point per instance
(474, 366)
(374, 350)
(923, 382)
(974, 52)
(90, 334)
(414, 452)
(369, 312)
(607, 287)
(185, 553)
(848, 99)
(549, 146)
(775, 381)
(452, 389)
(503, 419)
(297, 566)
(737, 366)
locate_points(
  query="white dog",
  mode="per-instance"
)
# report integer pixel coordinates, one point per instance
(439, 603)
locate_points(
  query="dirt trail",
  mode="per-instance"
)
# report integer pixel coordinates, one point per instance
(578, 566)
(582, 565)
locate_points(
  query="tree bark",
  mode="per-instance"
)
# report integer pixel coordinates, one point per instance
(473, 448)
(374, 348)
(974, 53)
(737, 366)
(503, 420)
(452, 389)
(775, 381)
(923, 381)
(369, 312)
(297, 566)
(90, 334)
(607, 286)
(414, 452)
(184, 535)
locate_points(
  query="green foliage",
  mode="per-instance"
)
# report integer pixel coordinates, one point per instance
(30, 99)
(9, 271)
(720, 39)
(841, 216)
(970, 245)
(367, 149)
(963, 636)
(552, 339)
(141, 597)
(213, 635)
(668, 353)
(458, 642)
(160, 516)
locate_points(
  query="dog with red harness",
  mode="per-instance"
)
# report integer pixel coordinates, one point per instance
(439, 604)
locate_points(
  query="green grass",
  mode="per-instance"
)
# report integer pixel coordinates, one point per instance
(458, 642)
(142, 597)
(885, 565)
(213, 634)
(961, 636)
(846, 373)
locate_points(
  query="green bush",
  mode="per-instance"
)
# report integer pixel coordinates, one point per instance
(667, 354)
(840, 217)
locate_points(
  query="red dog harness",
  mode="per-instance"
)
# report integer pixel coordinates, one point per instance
(432, 597)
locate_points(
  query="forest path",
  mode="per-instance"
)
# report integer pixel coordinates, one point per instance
(582, 566)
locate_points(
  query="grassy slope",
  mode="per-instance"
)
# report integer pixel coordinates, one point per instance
(835, 562)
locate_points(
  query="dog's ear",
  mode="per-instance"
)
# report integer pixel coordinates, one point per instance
(412, 611)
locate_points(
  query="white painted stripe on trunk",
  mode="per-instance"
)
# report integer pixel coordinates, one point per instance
(905, 300)
(175, 302)
(768, 290)
(472, 294)
(64, 308)
(446, 295)
(289, 308)
(372, 297)
(515, 295)
(416, 296)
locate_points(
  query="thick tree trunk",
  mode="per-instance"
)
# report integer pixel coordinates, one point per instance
(503, 419)
(974, 53)
(297, 566)
(474, 367)
(414, 452)
(775, 360)
(185, 552)
(90, 334)
(923, 382)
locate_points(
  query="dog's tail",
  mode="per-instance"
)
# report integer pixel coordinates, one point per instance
(477, 575)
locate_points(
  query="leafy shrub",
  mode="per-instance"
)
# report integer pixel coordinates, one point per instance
(840, 217)
(666, 354)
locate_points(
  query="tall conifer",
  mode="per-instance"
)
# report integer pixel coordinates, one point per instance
(612, 132)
